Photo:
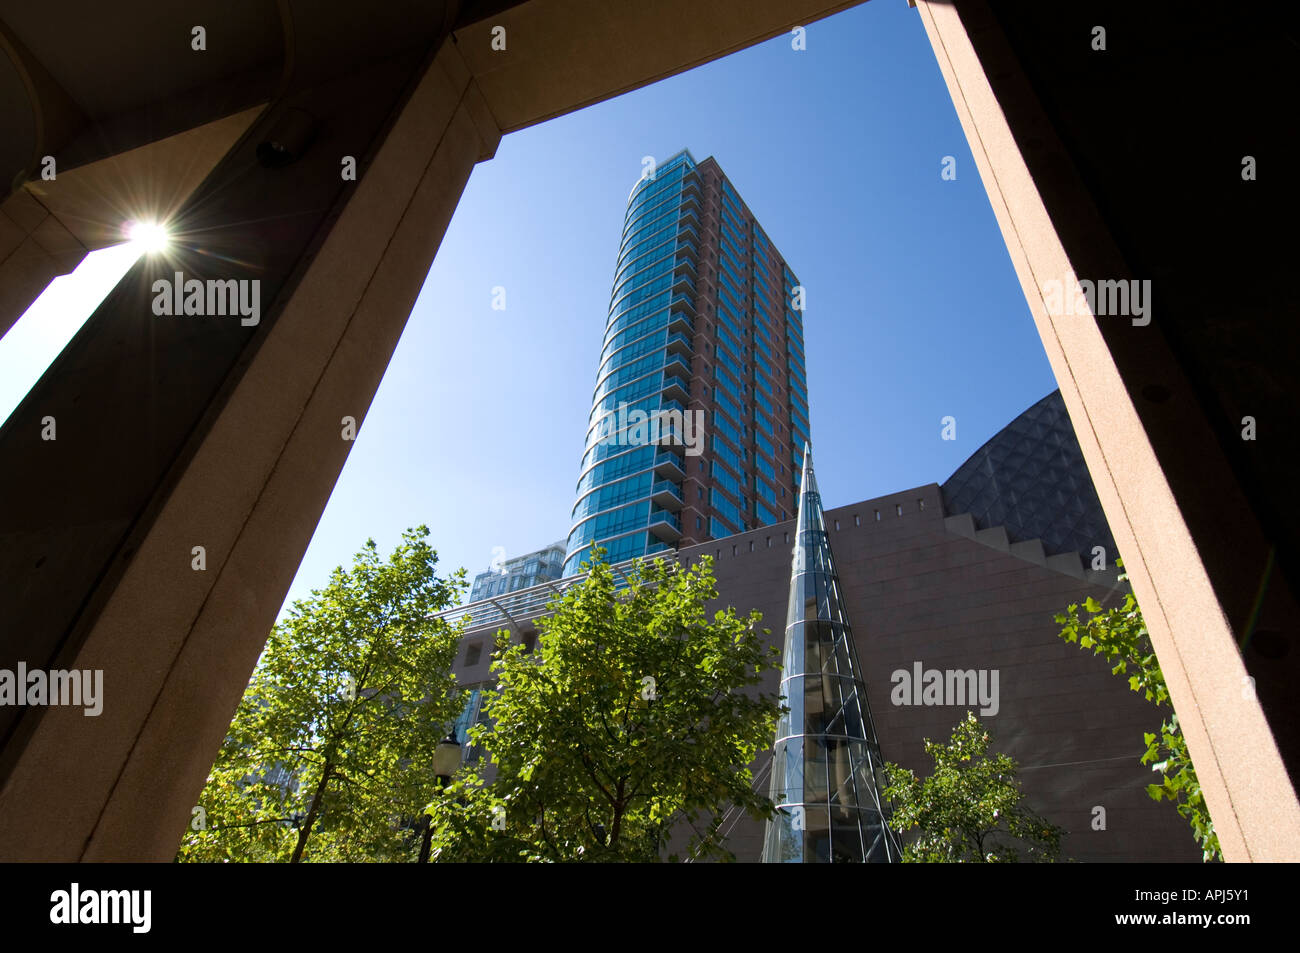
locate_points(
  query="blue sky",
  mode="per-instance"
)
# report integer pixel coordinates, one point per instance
(914, 311)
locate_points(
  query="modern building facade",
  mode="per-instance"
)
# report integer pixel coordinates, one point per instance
(926, 584)
(701, 397)
(522, 572)
(1158, 409)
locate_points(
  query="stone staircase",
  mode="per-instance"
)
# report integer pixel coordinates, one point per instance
(1031, 550)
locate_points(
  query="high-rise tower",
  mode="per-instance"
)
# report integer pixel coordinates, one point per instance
(522, 572)
(826, 766)
(705, 327)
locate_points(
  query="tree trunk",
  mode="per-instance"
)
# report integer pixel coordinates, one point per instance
(617, 825)
(305, 831)
(426, 841)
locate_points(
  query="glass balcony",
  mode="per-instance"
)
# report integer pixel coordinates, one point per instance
(669, 465)
(678, 366)
(666, 495)
(670, 437)
(678, 321)
(676, 389)
(680, 344)
(666, 526)
(684, 301)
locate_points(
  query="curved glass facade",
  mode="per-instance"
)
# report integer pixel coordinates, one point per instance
(704, 329)
(628, 501)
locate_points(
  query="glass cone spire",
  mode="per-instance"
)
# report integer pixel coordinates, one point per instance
(826, 767)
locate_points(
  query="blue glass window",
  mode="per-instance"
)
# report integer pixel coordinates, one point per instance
(726, 404)
(628, 314)
(799, 431)
(728, 360)
(724, 507)
(725, 428)
(613, 494)
(720, 530)
(639, 458)
(630, 372)
(726, 337)
(724, 453)
(731, 270)
(640, 293)
(724, 378)
(611, 523)
(725, 480)
(730, 318)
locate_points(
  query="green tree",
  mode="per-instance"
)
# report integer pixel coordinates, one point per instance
(629, 719)
(329, 756)
(1120, 636)
(969, 809)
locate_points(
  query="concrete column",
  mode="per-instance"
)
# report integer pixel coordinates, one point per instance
(1195, 556)
(247, 483)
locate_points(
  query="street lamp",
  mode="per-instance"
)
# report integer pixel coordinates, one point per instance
(446, 759)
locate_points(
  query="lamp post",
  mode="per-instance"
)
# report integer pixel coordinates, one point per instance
(446, 759)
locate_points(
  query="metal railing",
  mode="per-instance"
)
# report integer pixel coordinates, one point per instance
(667, 486)
(664, 516)
(510, 610)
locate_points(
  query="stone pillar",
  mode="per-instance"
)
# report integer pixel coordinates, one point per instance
(205, 432)
(1196, 553)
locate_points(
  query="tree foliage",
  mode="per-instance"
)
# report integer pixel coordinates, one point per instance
(969, 810)
(628, 723)
(329, 756)
(1120, 636)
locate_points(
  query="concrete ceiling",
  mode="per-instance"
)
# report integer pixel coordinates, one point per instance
(146, 47)
(55, 100)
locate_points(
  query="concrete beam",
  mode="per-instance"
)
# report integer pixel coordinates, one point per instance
(48, 226)
(562, 55)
